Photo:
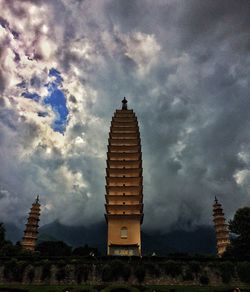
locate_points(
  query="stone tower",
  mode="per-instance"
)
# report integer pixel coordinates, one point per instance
(221, 228)
(31, 230)
(124, 207)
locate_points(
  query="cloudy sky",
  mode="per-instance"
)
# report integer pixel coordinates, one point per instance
(183, 65)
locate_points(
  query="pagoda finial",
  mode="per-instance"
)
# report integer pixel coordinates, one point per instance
(37, 199)
(215, 199)
(124, 103)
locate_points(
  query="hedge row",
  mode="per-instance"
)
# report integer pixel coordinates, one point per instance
(117, 269)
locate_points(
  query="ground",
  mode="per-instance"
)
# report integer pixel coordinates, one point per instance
(82, 288)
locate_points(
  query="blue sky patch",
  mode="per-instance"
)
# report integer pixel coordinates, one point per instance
(55, 73)
(57, 100)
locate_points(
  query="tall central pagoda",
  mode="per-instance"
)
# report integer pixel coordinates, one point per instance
(124, 207)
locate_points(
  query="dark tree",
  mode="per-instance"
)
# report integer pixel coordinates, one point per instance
(85, 251)
(140, 273)
(54, 248)
(6, 246)
(107, 274)
(240, 226)
(8, 249)
(2, 235)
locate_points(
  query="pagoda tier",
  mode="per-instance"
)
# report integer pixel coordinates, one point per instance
(118, 199)
(125, 142)
(124, 207)
(221, 228)
(131, 172)
(124, 149)
(124, 165)
(122, 181)
(114, 156)
(31, 230)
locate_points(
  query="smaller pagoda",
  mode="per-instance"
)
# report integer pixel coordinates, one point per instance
(31, 230)
(221, 228)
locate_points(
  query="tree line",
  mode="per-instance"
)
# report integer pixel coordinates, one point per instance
(44, 248)
(239, 247)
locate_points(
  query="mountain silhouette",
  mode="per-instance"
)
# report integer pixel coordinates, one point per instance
(199, 240)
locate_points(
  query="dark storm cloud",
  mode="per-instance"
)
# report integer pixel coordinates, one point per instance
(72, 99)
(128, 13)
(7, 118)
(220, 19)
(2, 82)
(2, 102)
(212, 102)
(183, 66)
(3, 194)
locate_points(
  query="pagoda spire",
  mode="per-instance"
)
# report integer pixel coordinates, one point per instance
(221, 228)
(124, 104)
(31, 230)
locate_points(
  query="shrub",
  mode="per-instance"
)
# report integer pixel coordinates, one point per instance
(53, 248)
(173, 268)
(46, 273)
(117, 269)
(204, 280)
(120, 270)
(85, 251)
(126, 272)
(195, 267)
(188, 276)
(85, 289)
(243, 270)
(120, 288)
(61, 273)
(107, 274)
(13, 270)
(140, 273)
(226, 271)
(8, 268)
(82, 273)
(13, 290)
(31, 274)
(153, 270)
